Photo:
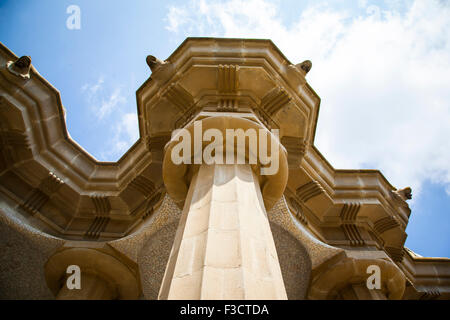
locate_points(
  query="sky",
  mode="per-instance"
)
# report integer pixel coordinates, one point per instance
(381, 68)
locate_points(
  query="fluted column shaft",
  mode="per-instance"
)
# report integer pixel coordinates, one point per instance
(224, 247)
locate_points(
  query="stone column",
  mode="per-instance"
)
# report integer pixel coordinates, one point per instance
(224, 247)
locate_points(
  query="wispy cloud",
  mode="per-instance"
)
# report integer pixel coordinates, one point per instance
(101, 100)
(383, 76)
(108, 105)
(126, 132)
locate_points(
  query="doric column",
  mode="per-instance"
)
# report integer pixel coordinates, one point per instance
(224, 247)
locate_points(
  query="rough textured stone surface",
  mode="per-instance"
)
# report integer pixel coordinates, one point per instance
(318, 251)
(294, 262)
(132, 244)
(24, 252)
(153, 259)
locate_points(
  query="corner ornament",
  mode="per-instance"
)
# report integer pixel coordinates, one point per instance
(154, 63)
(305, 66)
(21, 67)
(401, 196)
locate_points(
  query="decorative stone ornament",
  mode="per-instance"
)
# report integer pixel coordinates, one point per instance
(21, 67)
(305, 66)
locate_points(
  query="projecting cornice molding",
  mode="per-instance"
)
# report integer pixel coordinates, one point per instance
(246, 76)
(60, 189)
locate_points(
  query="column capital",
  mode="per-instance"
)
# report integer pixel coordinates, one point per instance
(177, 177)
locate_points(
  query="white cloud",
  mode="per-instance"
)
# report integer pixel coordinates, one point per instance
(109, 104)
(102, 103)
(362, 3)
(175, 18)
(384, 77)
(119, 126)
(126, 132)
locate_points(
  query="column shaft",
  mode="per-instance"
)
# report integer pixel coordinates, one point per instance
(224, 247)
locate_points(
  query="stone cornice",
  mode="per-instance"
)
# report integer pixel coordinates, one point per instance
(232, 75)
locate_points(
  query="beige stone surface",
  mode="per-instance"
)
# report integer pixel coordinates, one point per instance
(93, 287)
(324, 221)
(24, 250)
(224, 247)
(105, 273)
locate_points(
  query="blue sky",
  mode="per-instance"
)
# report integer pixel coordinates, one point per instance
(381, 69)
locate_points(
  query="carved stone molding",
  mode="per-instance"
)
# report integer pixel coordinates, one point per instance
(96, 228)
(101, 204)
(227, 78)
(39, 196)
(350, 211)
(296, 148)
(227, 105)
(143, 185)
(152, 204)
(309, 190)
(396, 253)
(352, 234)
(297, 210)
(182, 99)
(385, 224)
(432, 294)
(274, 100)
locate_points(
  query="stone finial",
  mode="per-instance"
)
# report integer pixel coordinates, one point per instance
(405, 193)
(21, 67)
(154, 63)
(400, 197)
(305, 66)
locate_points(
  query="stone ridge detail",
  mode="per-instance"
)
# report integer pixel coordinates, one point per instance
(40, 195)
(97, 226)
(309, 190)
(348, 216)
(385, 224)
(143, 185)
(395, 253)
(14, 138)
(350, 211)
(101, 204)
(294, 145)
(152, 204)
(297, 210)
(274, 100)
(227, 78)
(227, 105)
(179, 97)
(10, 141)
(352, 234)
